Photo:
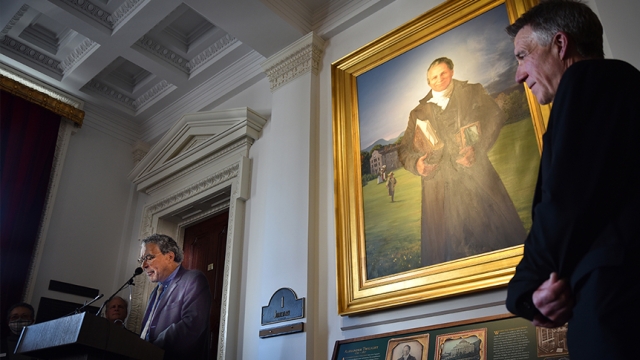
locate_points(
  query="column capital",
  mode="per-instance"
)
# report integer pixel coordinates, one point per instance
(295, 60)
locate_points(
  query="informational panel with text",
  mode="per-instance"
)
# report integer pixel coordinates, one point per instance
(494, 338)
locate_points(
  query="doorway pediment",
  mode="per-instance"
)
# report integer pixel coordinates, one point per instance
(195, 141)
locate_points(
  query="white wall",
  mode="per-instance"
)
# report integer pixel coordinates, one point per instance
(96, 205)
(85, 240)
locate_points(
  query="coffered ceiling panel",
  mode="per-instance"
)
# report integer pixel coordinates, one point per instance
(147, 60)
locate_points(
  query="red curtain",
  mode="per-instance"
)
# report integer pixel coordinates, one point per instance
(28, 136)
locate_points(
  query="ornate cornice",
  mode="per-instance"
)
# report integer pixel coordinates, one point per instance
(14, 20)
(140, 149)
(185, 65)
(133, 104)
(124, 10)
(32, 54)
(297, 59)
(80, 52)
(92, 11)
(186, 193)
(159, 89)
(100, 15)
(37, 97)
(200, 164)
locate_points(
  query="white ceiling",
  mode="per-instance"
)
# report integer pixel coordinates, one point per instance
(145, 59)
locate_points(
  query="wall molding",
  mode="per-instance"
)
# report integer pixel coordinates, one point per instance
(295, 60)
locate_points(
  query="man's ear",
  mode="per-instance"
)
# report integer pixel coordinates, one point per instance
(561, 44)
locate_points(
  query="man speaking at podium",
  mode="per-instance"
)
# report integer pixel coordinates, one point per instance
(177, 316)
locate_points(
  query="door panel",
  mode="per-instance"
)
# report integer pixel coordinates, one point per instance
(204, 249)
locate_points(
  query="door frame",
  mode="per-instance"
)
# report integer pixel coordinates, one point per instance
(203, 155)
(237, 177)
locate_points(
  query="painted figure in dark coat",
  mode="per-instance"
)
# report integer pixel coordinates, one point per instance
(179, 323)
(466, 209)
(579, 261)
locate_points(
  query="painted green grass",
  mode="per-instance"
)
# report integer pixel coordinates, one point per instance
(393, 229)
(516, 158)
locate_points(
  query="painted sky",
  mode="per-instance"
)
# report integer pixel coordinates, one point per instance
(481, 52)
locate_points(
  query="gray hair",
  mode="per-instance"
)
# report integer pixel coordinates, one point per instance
(572, 17)
(165, 244)
(441, 60)
(126, 303)
(24, 305)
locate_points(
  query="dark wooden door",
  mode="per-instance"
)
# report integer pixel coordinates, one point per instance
(204, 249)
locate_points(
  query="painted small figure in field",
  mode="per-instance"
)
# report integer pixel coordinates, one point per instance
(382, 177)
(391, 185)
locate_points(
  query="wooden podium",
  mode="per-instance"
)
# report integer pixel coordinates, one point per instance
(84, 337)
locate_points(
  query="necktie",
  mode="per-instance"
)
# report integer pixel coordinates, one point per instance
(145, 332)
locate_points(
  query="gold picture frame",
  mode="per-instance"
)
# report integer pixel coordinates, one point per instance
(357, 292)
(418, 346)
(475, 344)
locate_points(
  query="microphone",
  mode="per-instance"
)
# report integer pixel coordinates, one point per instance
(137, 272)
(81, 309)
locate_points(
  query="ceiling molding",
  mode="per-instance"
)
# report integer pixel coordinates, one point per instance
(233, 77)
(150, 62)
(40, 86)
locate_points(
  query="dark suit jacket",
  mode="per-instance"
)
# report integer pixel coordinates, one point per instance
(410, 357)
(181, 323)
(587, 202)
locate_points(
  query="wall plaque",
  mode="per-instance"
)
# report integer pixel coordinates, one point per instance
(284, 305)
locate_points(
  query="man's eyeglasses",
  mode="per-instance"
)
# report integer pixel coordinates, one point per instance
(147, 258)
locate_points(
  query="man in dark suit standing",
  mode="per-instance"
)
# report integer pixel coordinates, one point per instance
(177, 316)
(582, 247)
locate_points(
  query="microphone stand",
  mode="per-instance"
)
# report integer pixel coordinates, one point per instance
(129, 282)
(81, 309)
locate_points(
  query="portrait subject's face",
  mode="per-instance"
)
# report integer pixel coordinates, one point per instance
(439, 77)
(540, 67)
(406, 350)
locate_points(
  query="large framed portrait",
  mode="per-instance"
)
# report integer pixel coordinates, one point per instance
(436, 154)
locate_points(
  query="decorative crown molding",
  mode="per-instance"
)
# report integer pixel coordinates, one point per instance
(185, 194)
(14, 20)
(83, 50)
(101, 16)
(92, 11)
(295, 60)
(185, 65)
(140, 149)
(127, 7)
(23, 50)
(133, 104)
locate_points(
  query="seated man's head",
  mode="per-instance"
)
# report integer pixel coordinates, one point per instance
(19, 316)
(116, 309)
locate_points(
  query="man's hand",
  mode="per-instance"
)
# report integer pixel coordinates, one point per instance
(468, 156)
(554, 300)
(425, 169)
